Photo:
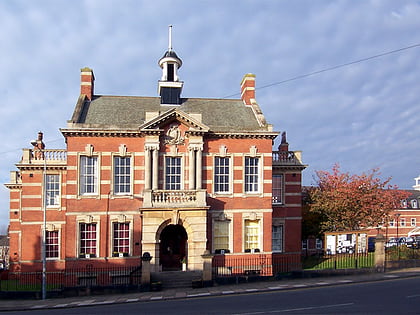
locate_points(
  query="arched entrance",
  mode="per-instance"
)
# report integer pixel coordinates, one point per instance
(173, 243)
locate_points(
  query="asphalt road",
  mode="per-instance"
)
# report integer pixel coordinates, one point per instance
(397, 296)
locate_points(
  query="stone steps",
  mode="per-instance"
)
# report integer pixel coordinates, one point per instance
(176, 279)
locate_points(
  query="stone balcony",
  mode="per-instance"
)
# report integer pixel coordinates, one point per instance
(47, 156)
(174, 198)
(281, 158)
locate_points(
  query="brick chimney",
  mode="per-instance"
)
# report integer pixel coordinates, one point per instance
(86, 82)
(248, 89)
(284, 145)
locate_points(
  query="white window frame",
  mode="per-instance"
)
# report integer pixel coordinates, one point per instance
(56, 191)
(392, 222)
(83, 176)
(247, 236)
(58, 244)
(114, 175)
(229, 226)
(258, 174)
(277, 243)
(402, 222)
(229, 175)
(130, 227)
(79, 239)
(413, 222)
(181, 172)
(281, 189)
(318, 243)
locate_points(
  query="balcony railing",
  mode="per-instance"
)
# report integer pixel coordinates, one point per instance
(174, 198)
(50, 156)
(287, 158)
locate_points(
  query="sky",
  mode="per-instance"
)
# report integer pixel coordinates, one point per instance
(340, 77)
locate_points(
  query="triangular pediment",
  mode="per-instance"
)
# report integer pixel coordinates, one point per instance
(172, 115)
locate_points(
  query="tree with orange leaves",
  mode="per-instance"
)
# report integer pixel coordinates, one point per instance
(351, 202)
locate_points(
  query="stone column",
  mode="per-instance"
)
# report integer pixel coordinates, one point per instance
(155, 169)
(198, 170)
(147, 169)
(380, 253)
(192, 169)
(145, 271)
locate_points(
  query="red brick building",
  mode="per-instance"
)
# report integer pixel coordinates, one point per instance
(168, 175)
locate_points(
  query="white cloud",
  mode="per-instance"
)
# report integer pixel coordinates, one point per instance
(361, 116)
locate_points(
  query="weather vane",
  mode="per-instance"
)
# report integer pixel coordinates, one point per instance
(170, 38)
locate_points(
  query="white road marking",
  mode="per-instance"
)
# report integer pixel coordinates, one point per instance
(199, 294)
(298, 309)
(132, 300)
(38, 306)
(156, 298)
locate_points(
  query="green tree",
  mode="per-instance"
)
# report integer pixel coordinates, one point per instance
(352, 202)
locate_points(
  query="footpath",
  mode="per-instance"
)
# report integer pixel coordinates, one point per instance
(219, 290)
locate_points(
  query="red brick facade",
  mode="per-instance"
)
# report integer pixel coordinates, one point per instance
(187, 183)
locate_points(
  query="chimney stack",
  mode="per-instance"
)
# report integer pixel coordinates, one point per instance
(86, 82)
(248, 89)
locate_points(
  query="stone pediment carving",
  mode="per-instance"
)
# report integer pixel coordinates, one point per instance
(174, 135)
(170, 116)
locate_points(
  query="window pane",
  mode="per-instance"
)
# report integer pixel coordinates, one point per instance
(88, 175)
(221, 235)
(221, 174)
(88, 238)
(173, 173)
(277, 188)
(121, 240)
(277, 238)
(51, 244)
(251, 174)
(251, 234)
(52, 190)
(122, 173)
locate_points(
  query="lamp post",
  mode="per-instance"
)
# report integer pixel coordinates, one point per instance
(398, 241)
(39, 145)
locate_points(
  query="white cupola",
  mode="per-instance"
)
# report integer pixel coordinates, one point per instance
(170, 86)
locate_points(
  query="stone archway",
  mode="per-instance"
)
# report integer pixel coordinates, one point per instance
(173, 247)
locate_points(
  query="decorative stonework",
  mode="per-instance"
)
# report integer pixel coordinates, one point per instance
(174, 136)
(89, 150)
(122, 150)
(253, 150)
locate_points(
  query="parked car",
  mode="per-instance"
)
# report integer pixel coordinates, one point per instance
(371, 244)
(407, 241)
(416, 242)
(392, 241)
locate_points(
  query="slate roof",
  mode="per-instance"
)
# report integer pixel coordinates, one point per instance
(220, 115)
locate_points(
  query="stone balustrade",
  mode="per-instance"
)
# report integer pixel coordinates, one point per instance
(50, 156)
(287, 158)
(174, 198)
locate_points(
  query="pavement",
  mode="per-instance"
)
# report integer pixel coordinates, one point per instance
(218, 290)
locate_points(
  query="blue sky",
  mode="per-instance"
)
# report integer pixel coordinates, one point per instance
(362, 116)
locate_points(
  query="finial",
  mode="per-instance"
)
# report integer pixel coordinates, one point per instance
(170, 38)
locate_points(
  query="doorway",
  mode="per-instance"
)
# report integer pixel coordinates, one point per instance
(173, 247)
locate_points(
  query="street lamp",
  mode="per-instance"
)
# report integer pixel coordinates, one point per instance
(39, 145)
(398, 241)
